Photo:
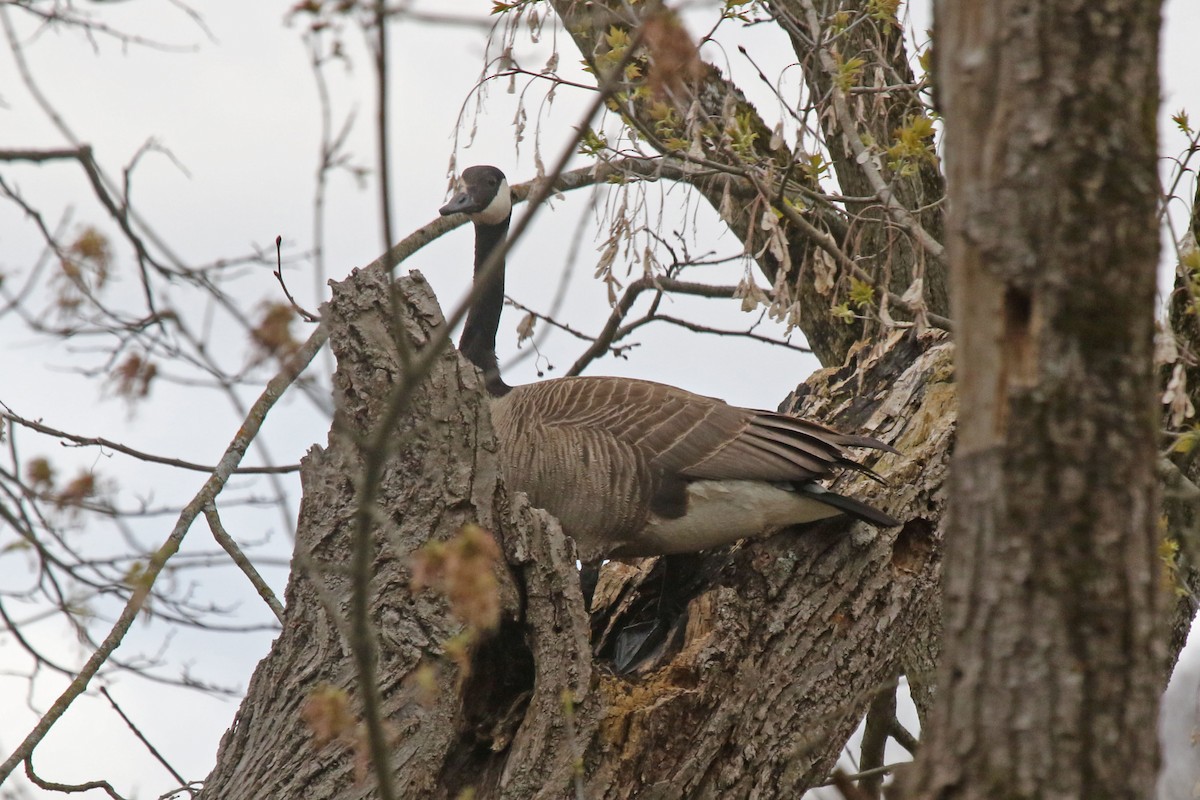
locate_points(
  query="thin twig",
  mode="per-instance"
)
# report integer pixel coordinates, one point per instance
(306, 315)
(231, 547)
(696, 328)
(63, 14)
(141, 737)
(383, 142)
(884, 770)
(609, 332)
(845, 785)
(99, 441)
(562, 326)
(362, 643)
(68, 788)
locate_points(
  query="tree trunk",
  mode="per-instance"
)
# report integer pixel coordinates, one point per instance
(441, 475)
(1053, 633)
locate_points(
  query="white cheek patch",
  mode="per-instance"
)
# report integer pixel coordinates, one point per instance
(497, 210)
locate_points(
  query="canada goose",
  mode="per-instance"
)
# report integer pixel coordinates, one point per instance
(635, 468)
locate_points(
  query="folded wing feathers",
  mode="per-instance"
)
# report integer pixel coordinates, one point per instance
(752, 456)
(698, 437)
(794, 429)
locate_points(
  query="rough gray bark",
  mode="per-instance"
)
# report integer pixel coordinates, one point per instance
(1053, 638)
(441, 475)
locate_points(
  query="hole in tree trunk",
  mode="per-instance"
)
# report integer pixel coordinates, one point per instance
(495, 697)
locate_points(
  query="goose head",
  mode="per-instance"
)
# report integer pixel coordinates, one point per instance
(483, 196)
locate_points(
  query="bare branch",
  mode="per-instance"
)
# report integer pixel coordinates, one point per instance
(98, 441)
(68, 788)
(305, 315)
(142, 738)
(231, 547)
(225, 468)
(630, 296)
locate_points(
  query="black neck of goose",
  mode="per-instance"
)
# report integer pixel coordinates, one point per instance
(478, 342)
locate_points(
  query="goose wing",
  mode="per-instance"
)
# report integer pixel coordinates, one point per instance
(776, 447)
(691, 436)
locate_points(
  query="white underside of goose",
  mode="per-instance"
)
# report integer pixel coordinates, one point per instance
(722, 512)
